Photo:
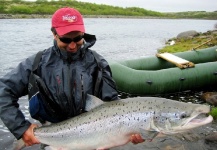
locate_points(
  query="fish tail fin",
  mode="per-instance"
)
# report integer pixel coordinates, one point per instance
(18, 144)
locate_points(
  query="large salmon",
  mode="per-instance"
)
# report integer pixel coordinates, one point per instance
(111, 124)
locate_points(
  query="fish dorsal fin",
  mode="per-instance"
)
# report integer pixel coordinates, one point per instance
(92, 102)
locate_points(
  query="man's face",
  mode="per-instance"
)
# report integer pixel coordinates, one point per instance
(70, 42)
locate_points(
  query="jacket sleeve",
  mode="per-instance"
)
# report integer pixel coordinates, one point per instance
(107, 90)
(13, 86)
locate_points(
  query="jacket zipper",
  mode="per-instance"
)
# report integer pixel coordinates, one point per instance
(82, 95)
(71, 92)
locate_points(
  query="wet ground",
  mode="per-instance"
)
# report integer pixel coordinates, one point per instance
(191, 140)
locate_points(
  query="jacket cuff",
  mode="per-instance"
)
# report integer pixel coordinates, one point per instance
(20, 131)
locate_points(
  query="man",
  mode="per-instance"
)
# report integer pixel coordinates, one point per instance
(59, 82)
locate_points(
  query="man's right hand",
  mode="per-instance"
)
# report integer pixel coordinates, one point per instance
(28, 136)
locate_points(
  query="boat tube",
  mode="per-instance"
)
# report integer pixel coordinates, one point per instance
(154, 75)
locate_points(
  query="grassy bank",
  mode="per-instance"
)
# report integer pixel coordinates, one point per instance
(45, 8)
(48, 8)
(199, 41)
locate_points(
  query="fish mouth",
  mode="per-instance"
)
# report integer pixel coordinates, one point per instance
(201, 119)
(197, 120)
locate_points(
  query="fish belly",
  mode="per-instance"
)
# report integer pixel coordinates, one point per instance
(102, 134)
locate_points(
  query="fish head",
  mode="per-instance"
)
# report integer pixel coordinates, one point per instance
(179, 117)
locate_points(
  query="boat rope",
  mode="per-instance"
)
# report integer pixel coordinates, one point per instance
(202, 44)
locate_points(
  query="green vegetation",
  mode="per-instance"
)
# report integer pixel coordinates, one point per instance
(193, 15)
(44, 7)
(213, 113)
(48, 8)
(202, 40)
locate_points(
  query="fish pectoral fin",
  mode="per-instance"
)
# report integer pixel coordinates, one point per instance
(148, 135)
(92, 102)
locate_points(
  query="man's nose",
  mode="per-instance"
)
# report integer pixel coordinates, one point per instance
(72, 45)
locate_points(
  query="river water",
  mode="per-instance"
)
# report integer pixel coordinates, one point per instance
(116, 39)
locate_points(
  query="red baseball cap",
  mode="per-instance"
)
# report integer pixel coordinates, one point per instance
(66, 20)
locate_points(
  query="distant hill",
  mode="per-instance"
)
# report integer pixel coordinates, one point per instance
(41, 8)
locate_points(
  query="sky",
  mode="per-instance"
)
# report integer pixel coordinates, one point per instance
(163, 5)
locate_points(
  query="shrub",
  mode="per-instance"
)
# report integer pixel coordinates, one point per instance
(20, 10)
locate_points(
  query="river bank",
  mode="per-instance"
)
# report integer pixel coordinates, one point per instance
(38, 16)
(49, 7)
(190, 40)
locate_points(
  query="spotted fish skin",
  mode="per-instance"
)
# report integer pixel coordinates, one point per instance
(111, 124)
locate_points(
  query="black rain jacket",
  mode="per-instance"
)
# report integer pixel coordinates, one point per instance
(66, 76)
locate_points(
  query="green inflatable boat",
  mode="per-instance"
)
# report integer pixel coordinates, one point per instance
(154, 75)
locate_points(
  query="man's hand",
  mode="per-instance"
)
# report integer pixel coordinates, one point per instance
(28, 136)
(136, 138)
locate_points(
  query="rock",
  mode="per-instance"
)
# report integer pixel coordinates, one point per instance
(188, 136)
(211, 138)
(214, 32)
(187, 34)
(210, 97)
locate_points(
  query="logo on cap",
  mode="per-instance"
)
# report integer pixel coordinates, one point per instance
(69, 18)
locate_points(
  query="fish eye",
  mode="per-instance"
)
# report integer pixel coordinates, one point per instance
(182, 116)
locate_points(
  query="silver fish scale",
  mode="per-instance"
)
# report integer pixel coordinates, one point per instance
(110, 123)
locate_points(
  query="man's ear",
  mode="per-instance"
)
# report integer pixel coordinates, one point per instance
(55, 36)
(53, 30)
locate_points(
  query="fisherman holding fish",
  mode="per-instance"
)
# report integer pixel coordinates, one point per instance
(57, 80)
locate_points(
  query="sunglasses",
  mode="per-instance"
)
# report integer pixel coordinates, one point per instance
(69, 40)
